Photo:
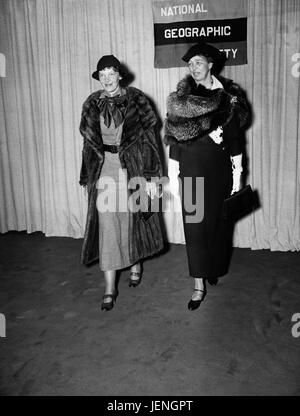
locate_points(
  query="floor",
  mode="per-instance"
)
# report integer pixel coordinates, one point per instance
(58, 341)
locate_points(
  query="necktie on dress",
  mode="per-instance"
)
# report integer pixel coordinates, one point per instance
(113, 108)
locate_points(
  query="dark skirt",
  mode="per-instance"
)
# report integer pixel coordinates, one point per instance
(209, 240)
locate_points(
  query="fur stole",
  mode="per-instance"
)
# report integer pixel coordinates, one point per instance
(190, 116)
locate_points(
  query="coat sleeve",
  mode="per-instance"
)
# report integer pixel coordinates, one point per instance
(232, 137)
(83, 177)
(152, 159)
(89, 130)
(242, 110)
(174, 152)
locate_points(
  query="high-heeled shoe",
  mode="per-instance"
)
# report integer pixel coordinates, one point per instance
(109, 305)
(194, 304)
(135, 282)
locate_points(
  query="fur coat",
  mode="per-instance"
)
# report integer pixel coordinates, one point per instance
(138, 153)
(191, 117)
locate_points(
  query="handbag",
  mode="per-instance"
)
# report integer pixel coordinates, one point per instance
(239, 204)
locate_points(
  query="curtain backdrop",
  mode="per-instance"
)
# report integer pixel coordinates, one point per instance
(50, 49)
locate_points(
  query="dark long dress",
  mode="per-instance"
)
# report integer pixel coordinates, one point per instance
(209, 242)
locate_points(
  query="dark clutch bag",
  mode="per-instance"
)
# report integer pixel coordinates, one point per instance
(239, 204)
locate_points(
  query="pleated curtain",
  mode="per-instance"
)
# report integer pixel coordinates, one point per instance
(51, 47)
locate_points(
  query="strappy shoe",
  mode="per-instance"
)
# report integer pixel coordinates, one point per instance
(194, 304)
(135, 281)
(109, 305)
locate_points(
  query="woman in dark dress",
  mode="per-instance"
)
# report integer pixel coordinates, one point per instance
(203, 127)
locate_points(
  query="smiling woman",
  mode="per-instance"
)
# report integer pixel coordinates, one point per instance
(109, 78)
(199, 67)
(204, 124)
(120, 147)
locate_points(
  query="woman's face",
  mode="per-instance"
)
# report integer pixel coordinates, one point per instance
(109, 79)
(199, 68)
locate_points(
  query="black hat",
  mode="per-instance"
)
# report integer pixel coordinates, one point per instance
(106, 61)
(206, 50)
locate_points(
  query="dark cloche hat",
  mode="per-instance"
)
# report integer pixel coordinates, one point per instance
(106, 62)
(206, 50)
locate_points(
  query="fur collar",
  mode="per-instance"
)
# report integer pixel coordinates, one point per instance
(193, 112)
(139, 117)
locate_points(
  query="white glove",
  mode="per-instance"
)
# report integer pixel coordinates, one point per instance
(173, 172)
(236, 172)
(216, 135)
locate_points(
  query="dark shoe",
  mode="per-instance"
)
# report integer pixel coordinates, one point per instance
(194, 304)
(135, 282)
(109, 305)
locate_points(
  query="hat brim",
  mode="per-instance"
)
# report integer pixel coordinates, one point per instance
(206, 50)
(95, 75)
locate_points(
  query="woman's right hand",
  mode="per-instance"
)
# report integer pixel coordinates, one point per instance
(216, 135)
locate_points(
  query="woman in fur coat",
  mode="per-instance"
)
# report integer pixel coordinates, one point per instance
(120, 147)
(203, 127)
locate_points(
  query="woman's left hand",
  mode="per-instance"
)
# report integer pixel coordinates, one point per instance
(237, 170)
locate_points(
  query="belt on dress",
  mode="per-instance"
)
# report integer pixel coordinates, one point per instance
(111, 148)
